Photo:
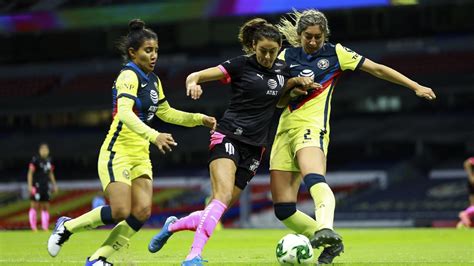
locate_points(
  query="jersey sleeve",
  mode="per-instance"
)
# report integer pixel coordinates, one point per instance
(170, 115)
(348, 59)
(127, 84)
(32, 164)
(232, 68)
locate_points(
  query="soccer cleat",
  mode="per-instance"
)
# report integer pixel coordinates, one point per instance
(325, 237)
(101, 261)
(196, 261)
(329, 253)
(59, 235)
(159, 240)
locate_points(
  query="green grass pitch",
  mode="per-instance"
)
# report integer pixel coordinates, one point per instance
(250, 247)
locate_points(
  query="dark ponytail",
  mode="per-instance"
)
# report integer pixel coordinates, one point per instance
(137, 34)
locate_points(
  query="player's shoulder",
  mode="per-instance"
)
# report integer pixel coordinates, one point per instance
(128, 73)
(291, 51)
(241, 59)
(329, 49)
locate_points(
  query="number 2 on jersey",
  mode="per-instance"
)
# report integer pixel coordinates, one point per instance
(307, 135)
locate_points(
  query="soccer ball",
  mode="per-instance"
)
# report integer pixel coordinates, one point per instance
(294, 249)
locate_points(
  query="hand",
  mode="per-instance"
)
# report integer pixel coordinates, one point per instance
(55, 188)
(307, 82)
(425, 92)
(299, 90)
(209, 122)
(194, 90)
(164, 142)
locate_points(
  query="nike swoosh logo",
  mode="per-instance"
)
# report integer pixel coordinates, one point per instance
(292, 66)
(144, 85)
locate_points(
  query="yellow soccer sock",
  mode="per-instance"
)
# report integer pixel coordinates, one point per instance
(96, 217)
(118, 238)
(301, 224)
(324, 203)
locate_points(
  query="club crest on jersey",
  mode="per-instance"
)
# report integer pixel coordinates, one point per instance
(306, 73)
(323, 64)
(154, 96)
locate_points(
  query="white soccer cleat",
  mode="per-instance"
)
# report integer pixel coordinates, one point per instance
(58, 236)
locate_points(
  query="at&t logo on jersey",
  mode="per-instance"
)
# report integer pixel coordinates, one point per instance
(323, 64)
(272, 84)
(154, 96)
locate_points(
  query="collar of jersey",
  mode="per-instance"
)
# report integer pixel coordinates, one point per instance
(138, 69)
(253, 59)
(313, 55)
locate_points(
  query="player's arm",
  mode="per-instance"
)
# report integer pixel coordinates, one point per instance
(127, 86)
(173, 116)
(389, 74)
(468, 167)
(52, 177)
(193, 80)
(29, 176)
(295, 87)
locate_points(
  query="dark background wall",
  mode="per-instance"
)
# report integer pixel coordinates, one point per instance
(55, 84)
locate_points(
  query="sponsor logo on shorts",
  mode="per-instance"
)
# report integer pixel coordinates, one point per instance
(126, 174)
(229, 148)
(254, 166)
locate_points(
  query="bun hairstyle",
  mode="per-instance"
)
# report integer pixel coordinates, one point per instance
(137, 34)
(136, 24)
(257, 29)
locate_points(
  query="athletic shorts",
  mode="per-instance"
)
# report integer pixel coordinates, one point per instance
(117, 167)
(40, 192)
(287, 143)
(246, 157)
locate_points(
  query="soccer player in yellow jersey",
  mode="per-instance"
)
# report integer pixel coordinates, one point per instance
(124, 165)
(302, 138)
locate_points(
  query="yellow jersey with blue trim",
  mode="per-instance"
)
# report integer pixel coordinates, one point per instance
(146, 92)
(325, 66)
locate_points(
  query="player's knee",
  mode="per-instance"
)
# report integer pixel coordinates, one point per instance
(284, 210)
(313, 179)
(142, 213)
(120, 213)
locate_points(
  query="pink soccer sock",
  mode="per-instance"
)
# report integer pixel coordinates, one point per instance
(209, 218)
(32, 215)
(470, 211)
(189, 222)
(44, 219)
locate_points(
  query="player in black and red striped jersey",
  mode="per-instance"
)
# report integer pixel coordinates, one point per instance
(40, 173)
